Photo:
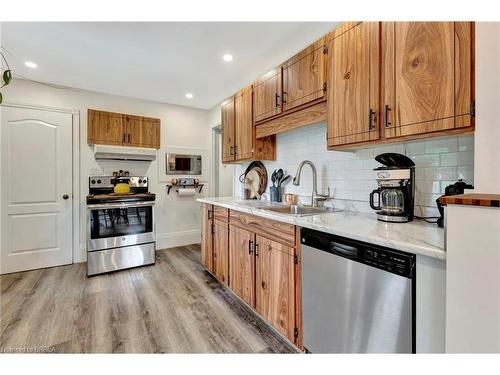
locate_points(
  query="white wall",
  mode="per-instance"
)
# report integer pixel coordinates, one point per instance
(225, 171)
(487, 135)
(350, 176)
(177, 219)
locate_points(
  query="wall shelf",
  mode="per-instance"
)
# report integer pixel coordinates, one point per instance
(196, 186)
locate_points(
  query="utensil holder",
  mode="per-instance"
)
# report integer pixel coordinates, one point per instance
(275, 193)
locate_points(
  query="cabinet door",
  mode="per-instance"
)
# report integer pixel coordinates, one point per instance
(427, 76)
(243, 124)
(304, 77)
(242, 263)
(105, 128)
(267, 98)
(221, 251)
(142, 131)
(206, 236)
(275, 284)
(353, 85)
(227, 116)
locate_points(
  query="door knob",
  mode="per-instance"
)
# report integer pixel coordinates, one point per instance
(65, 196)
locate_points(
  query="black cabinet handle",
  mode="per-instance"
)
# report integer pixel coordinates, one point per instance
(371, 117)
(256, 247)
(209, 214)
(123, 137)
(250, 249)
(284, 93)
(386, 115)
(276, 97)
(65, 196)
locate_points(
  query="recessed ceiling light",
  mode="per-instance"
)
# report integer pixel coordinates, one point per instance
(227, 57)
(31, 64)
(189, 95)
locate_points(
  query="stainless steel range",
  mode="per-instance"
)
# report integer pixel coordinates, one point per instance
(121, 231)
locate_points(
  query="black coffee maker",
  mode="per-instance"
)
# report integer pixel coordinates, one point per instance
(396, 188)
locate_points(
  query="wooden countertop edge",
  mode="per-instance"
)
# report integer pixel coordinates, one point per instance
(473, 199)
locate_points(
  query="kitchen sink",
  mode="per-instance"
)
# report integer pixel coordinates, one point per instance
(298, 210)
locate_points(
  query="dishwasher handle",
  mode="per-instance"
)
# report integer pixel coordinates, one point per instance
(344, 250)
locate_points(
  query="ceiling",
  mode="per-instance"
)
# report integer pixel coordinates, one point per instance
(159, 61)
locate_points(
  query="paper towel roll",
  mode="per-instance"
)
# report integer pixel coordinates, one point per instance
(186, 192)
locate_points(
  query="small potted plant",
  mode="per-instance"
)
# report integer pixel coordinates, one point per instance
(6, 74)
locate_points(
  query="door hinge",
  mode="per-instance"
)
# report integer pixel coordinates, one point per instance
(324, 87)
(325, 50)
(473, 109)
(295, 332)
(212, 230)
(295, 259)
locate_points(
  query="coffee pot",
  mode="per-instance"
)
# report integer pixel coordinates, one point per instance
(396, 188)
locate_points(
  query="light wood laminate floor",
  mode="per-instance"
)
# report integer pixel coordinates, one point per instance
(174, 306)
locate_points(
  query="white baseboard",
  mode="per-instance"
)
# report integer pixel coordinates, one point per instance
(168, 240)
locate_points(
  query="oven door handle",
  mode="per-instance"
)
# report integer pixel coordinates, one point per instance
(120, 205)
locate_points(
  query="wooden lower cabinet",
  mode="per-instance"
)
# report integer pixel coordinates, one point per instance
(207, 255)
(263, 272)
(275, 285)
(242, 264)
(221, 251)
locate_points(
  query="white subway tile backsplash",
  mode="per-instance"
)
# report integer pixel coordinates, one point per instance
(430, 160)
(466, 143)
(350, 175)
(449, 159)
(440, 145)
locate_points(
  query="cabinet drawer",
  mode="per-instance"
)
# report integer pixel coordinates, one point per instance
(221, 214)
(278, 231)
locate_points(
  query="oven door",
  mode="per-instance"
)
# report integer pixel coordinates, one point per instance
(113, 225)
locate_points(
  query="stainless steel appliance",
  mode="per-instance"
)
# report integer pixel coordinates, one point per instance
(396, 188)
(121, 231)
(356, 297)
(177, 164)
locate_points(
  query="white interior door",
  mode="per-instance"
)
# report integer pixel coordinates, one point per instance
(36, 189)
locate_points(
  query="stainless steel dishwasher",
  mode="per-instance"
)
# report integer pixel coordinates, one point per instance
(356, 297)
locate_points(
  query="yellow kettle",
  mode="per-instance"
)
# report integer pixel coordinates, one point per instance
(122, 188)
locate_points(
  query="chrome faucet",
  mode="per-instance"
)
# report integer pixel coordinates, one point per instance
(315, 197)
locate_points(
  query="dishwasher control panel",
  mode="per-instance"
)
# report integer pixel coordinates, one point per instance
(388, 260)
(394, 261)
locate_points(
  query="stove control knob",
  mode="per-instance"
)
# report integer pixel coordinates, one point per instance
(92, 182)
(98, 181)
(140, 181)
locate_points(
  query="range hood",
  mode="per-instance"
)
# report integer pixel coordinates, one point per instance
(124, 153)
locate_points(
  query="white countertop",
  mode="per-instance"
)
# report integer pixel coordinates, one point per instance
(416, 237)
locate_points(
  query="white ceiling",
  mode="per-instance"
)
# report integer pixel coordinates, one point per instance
(156, 61)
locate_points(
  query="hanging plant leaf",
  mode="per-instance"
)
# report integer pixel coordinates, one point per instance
(1, 98)
(7, 76)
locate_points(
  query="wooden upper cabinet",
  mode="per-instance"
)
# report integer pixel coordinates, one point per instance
(142, 131)
(105, 128)
(275, 284)
(353, 85)
(118, 129)
(206, 236)
(267, 97)
(242, 264)
(243, 124)
(427, 77)
(221, 251)
(227, 117)
(304, 77)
